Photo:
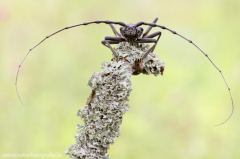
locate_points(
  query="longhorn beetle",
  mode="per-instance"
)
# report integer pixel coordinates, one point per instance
(132, 33)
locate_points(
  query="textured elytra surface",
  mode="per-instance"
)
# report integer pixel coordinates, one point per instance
(106, 105)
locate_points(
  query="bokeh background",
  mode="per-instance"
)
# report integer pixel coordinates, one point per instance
(171, 116)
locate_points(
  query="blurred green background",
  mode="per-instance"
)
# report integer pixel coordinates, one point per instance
(170, 116)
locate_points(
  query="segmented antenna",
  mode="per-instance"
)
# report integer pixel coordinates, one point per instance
(190, 41)
(68, 27)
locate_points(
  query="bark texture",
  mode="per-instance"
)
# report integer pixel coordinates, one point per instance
(106, 105)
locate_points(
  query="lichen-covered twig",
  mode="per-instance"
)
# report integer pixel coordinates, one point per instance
(106, 105)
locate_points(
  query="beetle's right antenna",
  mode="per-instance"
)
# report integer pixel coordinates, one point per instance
(68, 27)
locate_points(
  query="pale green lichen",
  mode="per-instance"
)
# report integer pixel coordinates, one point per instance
(107, 104)
(151, 64)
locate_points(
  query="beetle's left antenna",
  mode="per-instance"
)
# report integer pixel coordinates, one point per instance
(68, 27)
(23, 61)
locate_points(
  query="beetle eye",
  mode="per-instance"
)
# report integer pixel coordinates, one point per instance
(122, 29)
(140, 29)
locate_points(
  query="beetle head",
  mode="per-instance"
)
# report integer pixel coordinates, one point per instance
(131, 32)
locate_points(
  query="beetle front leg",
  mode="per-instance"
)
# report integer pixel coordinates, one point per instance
(149, 39)
(104, 42)
(158, 33)
(112, 40)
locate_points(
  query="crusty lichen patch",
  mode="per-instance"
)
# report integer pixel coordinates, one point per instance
(103, 113)
(134, 52)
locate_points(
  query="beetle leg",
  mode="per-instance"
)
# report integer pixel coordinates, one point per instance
(149, 28)
(112, 40)
(149, 39)
(115, 31)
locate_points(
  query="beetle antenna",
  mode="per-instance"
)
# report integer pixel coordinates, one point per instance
(190, 41)
(68, 27)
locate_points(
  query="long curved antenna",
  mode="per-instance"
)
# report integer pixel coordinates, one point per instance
(190, 41)
(68, 27)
